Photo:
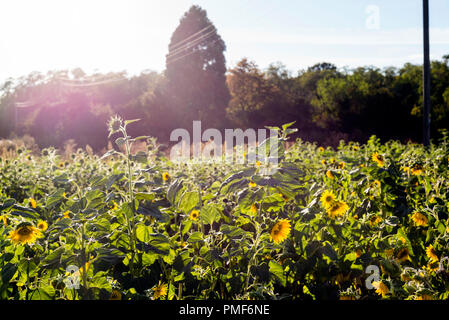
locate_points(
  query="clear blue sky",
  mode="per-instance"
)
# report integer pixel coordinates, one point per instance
(133, 35)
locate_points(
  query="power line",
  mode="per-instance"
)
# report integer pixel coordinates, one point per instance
(185, 55)
(182, 41)
(191, 44)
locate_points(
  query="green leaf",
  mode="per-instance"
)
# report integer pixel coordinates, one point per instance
(188, 201)
(195, 237)
(277, 271)
(209, 214)
(143, 233)
(8, 272)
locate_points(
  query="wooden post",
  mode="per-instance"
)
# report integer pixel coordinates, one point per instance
(426, 76)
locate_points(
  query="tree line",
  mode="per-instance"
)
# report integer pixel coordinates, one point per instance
(327, 103)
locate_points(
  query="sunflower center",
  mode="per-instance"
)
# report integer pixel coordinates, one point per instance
(24, 231)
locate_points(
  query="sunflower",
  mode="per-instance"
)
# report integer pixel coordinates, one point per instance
(42, 225)
(280, 231)
(432, 266)
(338, 208)
(66, 215)
(33, 203)
(329, 174)
(252, 184)
(358, 253)
(379, 159)
(327, 199)
(160, 290)
(431, 253)
(419, 219)
(376, 184)
(341, 165)
(417, 170)
(253, 208)
(194, 214)
(374, 220)
(381, 288)
(323, 161)
(424, 297)
(115, 295)
(165, 176)
(24, 233)
(258, 163)
(321, 149)
(403, 255)
(61, 165)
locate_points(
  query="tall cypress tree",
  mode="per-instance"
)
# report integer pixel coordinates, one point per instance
(195, 71)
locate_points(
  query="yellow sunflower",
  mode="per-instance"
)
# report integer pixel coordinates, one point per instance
(258, 163)
(33, 203)
(66, 215)
(378, 158)
(431, 253)
(419, 219)
(116, 295)
(252, 184)
(254, 209)
(329, 174)
(194, 214)
(61, 165)
(42, 225)
(280, 231)
(403, 255)
(381, 288)
(374, 220)
(160, 290)
(321, 149)
(341, 165)
(327, 199)
(323, 161)
(165, 176)
(424, 297)
(417, 170)
(24, 233)
(338, 208)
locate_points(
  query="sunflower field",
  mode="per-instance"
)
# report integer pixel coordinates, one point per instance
(352, 223)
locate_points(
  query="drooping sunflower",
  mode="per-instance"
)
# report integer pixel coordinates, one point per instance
(329, 174)
(403, 255)
(431, 253)
(378, 158)
(280, 231)
(381, 288)
(419, 219)
(338, 208)
(42, 225)
(24, 233)
(252, 184)
(165, 176)
(417, 170)
(194, 214)
(160, 290)
(33, 203)
(254, 208)
(327, 198)
(115, 295)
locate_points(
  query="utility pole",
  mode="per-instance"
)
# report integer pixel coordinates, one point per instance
(426, 75)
